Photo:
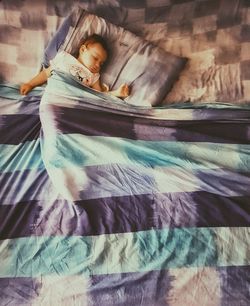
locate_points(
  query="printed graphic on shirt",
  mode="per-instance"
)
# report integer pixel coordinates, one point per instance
(65, 62)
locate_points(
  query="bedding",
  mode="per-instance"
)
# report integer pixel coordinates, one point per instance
(148, 70)
(107, 203)
(152, 212)
(212, 35)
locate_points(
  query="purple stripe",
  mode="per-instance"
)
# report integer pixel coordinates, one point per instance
(108, 289)
(151, 288)
(225, 182)
(97, 123)
(214, 132)
(147, 289)
(123, 214)
(216, 211)
(17, 129)
(154, 287)
(18, 221)
(235, 285)
(19, 291)
(23, 186)
(30, 104)
(94, 122)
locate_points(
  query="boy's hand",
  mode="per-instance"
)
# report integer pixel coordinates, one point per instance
(123, 91)
(105, 87)
(25, 88)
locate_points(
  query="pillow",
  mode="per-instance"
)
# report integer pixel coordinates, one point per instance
(148, 70)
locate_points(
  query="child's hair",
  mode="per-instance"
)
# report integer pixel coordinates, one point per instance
(92, 39)
(95, 38)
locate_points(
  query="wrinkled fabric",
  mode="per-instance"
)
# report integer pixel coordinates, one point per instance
(103, 203)
(212, 35)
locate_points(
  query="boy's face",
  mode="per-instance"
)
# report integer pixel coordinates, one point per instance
(92, 56)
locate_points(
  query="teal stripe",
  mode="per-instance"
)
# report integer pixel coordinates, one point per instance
(12, 91)
(122, 253)
(81, 150)
(20, 157)
(177, 248)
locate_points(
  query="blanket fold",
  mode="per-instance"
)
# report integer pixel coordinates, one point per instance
(102, 195)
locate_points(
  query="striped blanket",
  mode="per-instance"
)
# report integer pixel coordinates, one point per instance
(107, 204)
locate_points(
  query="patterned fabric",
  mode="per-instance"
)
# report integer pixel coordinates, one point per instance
(129, 205)
(212, 34)
(108, 204)
(65, 62)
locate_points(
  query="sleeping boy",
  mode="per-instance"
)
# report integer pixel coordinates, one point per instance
(86, 67)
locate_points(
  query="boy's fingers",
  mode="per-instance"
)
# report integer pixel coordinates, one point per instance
(23, 92)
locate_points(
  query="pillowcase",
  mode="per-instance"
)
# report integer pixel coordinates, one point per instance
(148, 70)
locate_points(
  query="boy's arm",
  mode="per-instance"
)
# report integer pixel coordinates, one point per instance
(122, 92)
(39, 79)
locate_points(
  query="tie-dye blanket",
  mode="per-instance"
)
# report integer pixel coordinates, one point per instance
(107, 204)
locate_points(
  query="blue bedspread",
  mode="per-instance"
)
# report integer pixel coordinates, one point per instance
(107, 204)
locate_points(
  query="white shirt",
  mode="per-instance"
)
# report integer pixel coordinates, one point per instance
(65, 62)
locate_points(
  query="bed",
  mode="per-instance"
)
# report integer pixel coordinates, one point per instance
(108, 203)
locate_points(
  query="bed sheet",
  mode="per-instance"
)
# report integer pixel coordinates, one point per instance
(107, 204)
